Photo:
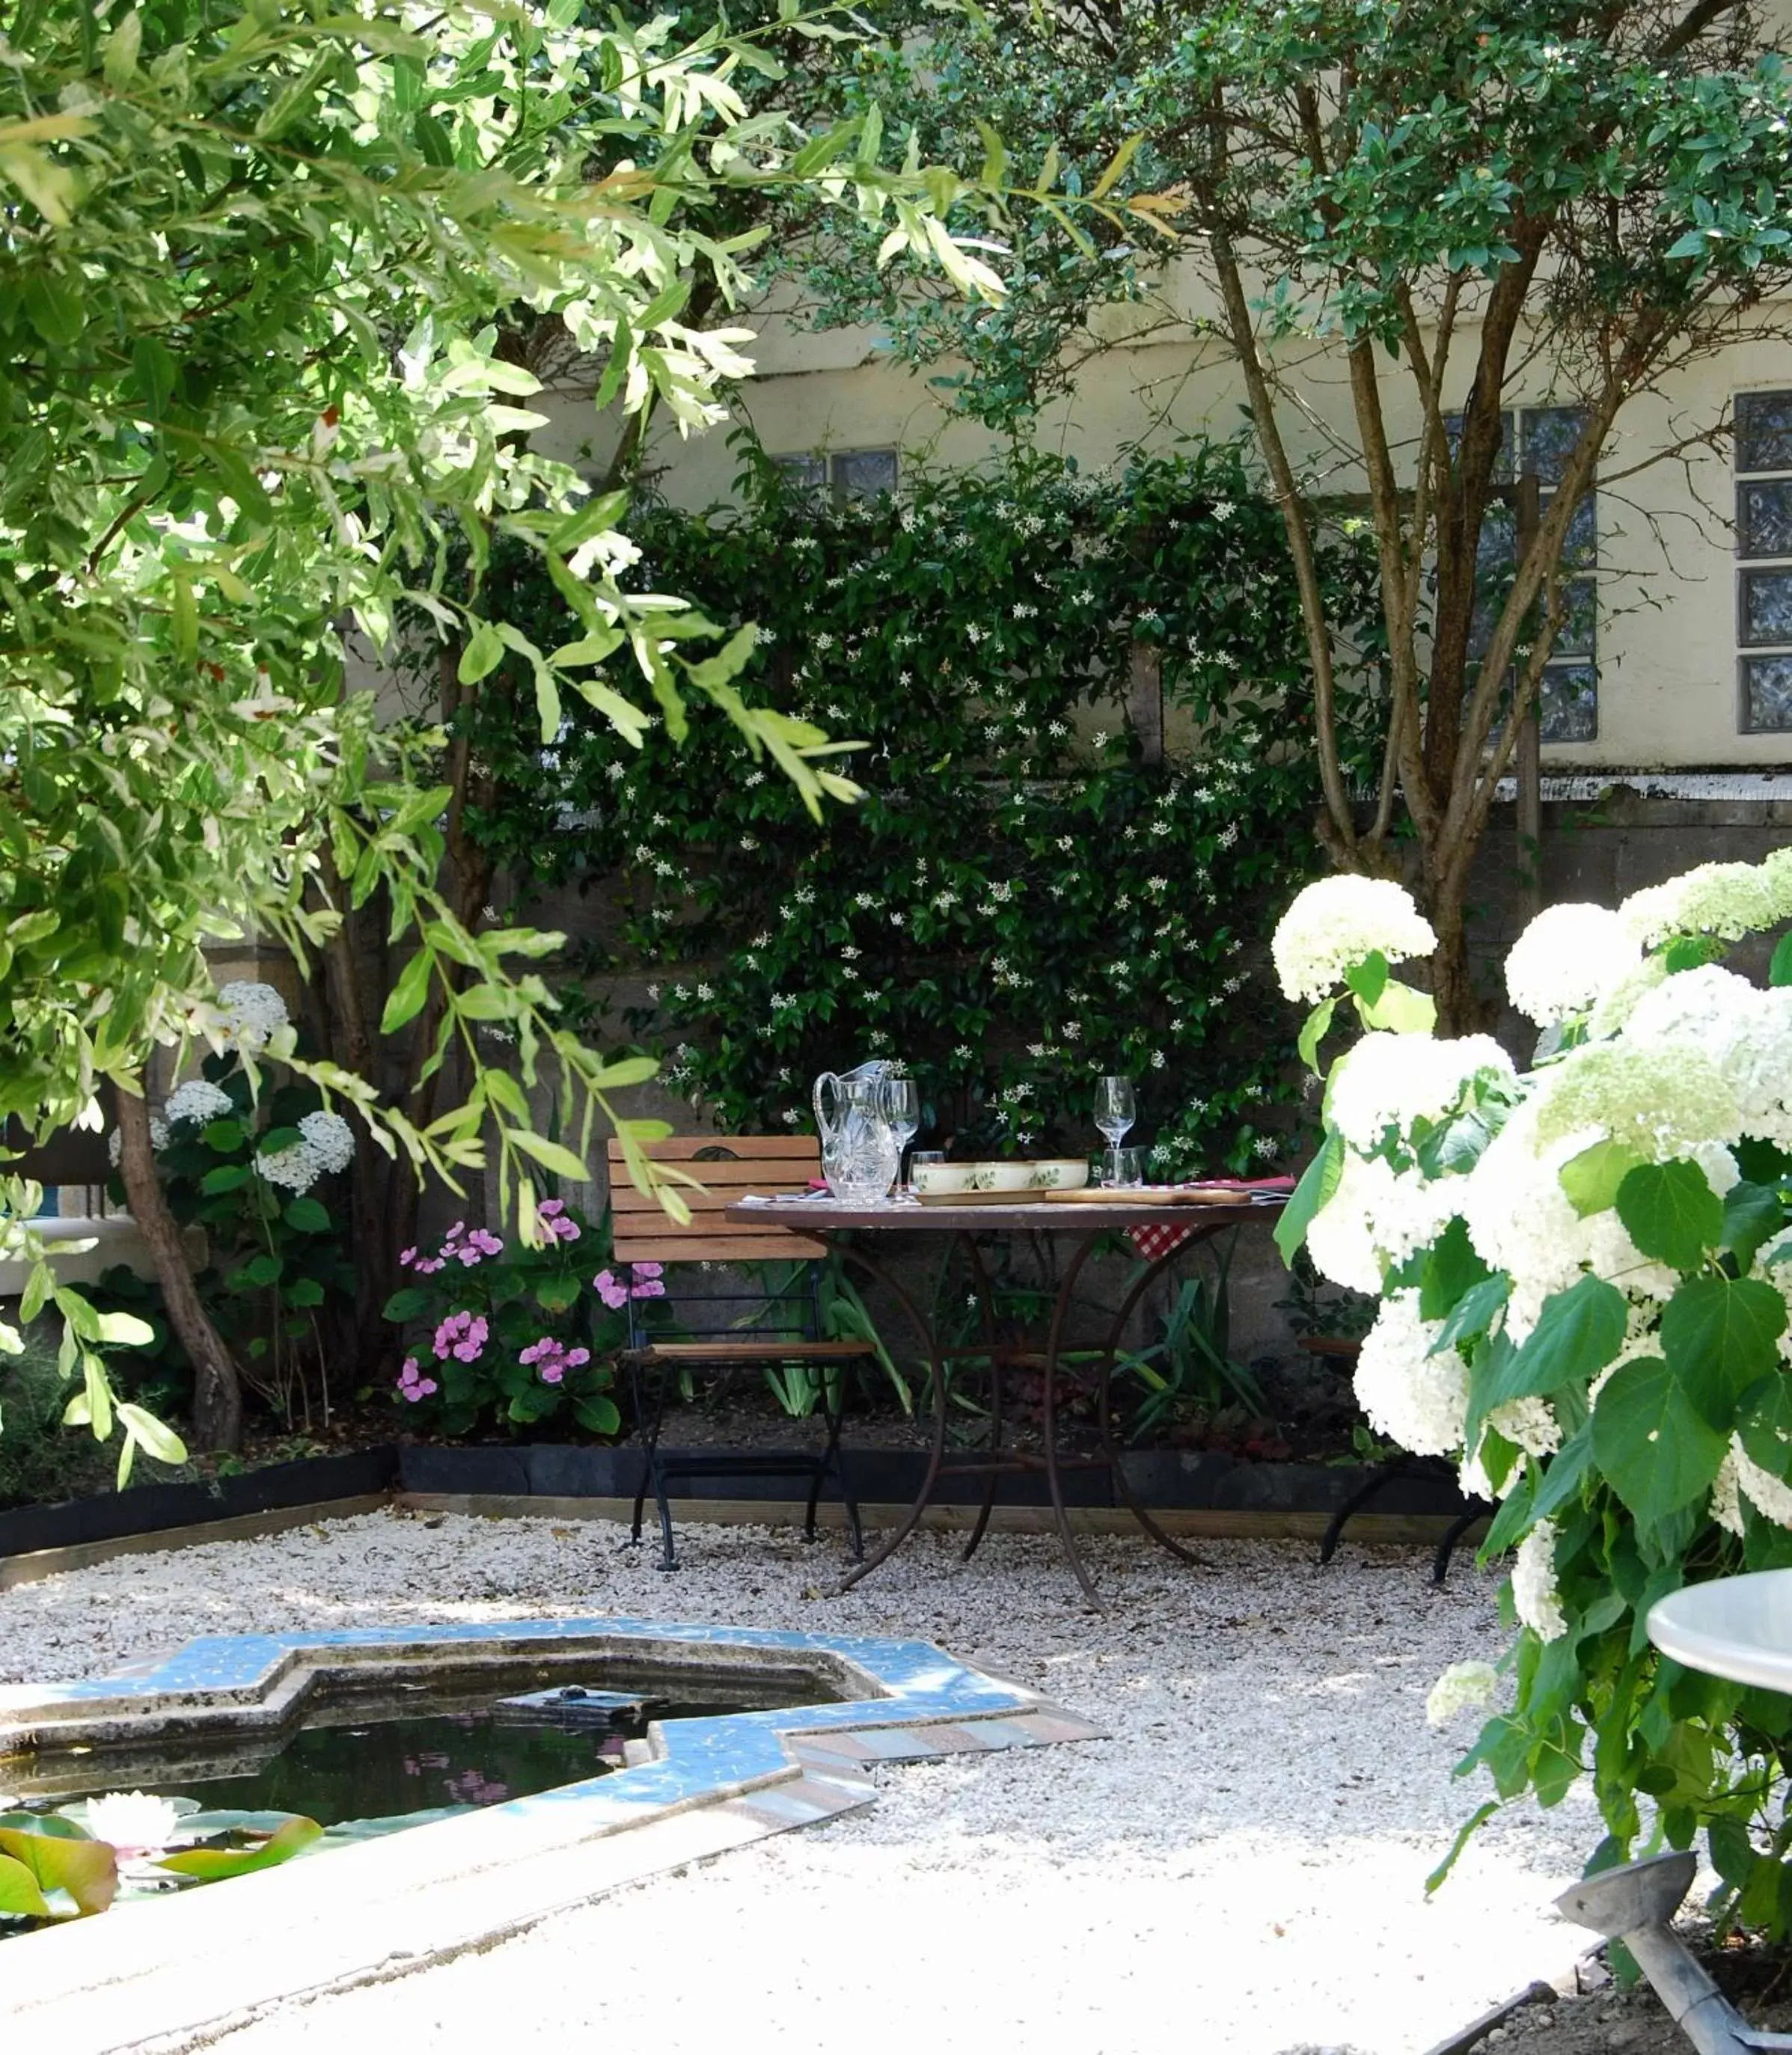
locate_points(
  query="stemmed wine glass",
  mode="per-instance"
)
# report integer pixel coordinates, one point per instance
(902, 1108)
(1115, 1110)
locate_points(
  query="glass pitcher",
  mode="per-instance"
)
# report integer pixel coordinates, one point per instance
(860, 1151)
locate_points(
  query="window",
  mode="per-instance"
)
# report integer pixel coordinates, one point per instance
(1568, 707)
(1764, 554)
(843, 478)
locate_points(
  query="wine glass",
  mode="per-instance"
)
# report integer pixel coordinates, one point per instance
(902, 1108)
(1116, 1108)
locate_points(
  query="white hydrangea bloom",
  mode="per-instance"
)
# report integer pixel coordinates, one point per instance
(1392, 1080)
(1727, 899)
(160, 1137)
(1415, 1399)
(1528, 1424)
(296, 1167)
(1333, 924)
(1768, 1494)
(1726, 1506)
(1534, 1596)
(1568, 957)
(1462, 1688)
(1659, 1099)
(199, 1100)
(1376, 1216)
(330, 1138)
(1614, 1006)
(1746, 1032)
(254, 1012)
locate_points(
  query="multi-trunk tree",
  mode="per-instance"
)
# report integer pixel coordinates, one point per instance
(1461, 209)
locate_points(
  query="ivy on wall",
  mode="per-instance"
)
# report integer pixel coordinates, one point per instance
(1024, 899)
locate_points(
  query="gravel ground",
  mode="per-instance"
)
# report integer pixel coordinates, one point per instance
(1239, 1866)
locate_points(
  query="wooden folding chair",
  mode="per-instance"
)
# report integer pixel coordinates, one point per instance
(726, 1329)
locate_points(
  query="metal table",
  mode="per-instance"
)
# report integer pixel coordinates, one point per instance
(849, 1228)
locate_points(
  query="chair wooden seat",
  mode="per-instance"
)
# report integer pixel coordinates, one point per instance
(728, 1167)
(750, 1351)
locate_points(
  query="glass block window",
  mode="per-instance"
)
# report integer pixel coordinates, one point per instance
(1764, 550)
(843, 478)
(1543, 439)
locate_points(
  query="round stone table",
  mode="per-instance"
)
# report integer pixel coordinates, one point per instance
(1738, 1627)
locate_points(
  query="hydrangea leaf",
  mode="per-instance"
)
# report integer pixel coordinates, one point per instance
(1718, 1335)
(1751, 1212)
(1473, 1314)
(1779, 971)
(1318, 1181)
(1652, 1439)
(1400, 1009)
(1764, 1422)
(1591, 1180)
(1368, 979)
(1566, 1474)
(1317, 1025)
(1670, 1211)
(1452, 1268)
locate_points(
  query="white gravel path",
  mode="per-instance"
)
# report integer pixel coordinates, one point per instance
(1238, 1867)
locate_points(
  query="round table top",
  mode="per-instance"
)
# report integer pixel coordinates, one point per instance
(819, 1216)
(1738, 1627)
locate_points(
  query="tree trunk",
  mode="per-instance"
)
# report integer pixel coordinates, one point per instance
(217, 1383)
(1460, 1010)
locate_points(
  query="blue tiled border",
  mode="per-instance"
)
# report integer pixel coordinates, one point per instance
(919, 1686)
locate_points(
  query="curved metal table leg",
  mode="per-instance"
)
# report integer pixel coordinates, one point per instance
(1378, 1482)
(1104, 1393)
(1054, 1343)
(986, 1300)
(1447, 1548)
(910, 1519)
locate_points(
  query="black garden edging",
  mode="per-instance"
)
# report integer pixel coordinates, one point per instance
(1165, 1480)
(151, 1508)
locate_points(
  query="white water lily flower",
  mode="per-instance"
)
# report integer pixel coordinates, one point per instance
(1534, 1596)
(132, 1821)
(1568, 957)
(1392, 1080)
(1412, 1397)
(1333, 924)
(1463, 1686)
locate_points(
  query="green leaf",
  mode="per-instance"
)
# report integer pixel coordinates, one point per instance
(553, 1156)
(1764, 1422)
(1400, 1010)
(157, 1440)
(226, 1136)
(264, 1267)
(292, 1838)
(308, 1216)
(1368, 979)
(1751, 1212)
(1473, 1314)
(226, 1177)
(1318, 1026)
(1451, 1269)
(1670, 1211)
(1567, 1472)
(1654, 1442)
(1477, 1819)
(123, 1331)
(1718, 1335)
(88, 1870)
(21, 1894)
(1318, 1181)
(1591, 1180)
(1577, 1333)
(52, 306)
(1779, 971)
(404, 1001)
(483, 654)
(407, 1302)
(556, 1295)
(598, 1415)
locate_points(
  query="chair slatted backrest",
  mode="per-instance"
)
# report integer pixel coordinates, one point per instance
(728, 1166)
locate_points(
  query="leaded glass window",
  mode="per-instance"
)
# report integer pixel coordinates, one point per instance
(1544, 437)
(1764, 571)
(844, 478)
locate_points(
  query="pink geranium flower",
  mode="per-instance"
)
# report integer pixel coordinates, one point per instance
(551, 1359)
(612, 1293)
(412, 1385)
(462, 1335)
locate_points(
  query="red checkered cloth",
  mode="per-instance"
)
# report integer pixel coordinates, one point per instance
(1161, 1238)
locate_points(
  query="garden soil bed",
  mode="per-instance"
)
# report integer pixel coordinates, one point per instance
(1605, 2020)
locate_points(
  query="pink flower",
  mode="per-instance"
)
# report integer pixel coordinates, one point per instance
(406, 1258)
(613, 1293)
(461, 1335)
(426, 1266)
(651, 1287)
(553, 1359)
(413, 1385)
(649, 1269)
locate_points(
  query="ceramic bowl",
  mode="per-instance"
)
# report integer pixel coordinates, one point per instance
(1058, 1174)
(935, 1177)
